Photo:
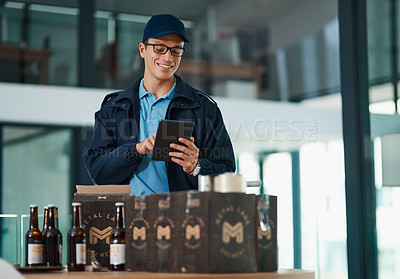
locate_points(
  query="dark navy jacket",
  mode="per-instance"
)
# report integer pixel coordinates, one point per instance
(112, 155)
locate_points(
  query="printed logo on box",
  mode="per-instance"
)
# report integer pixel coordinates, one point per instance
(193, 226)
(229, 232)
(99, 228)
(164, 232)
(233, 223)
(139, 228)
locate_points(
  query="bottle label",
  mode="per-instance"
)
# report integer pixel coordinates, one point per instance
(35, 253)
(117, 253)
(80, 253)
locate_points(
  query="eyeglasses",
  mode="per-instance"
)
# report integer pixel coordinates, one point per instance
(161, 49)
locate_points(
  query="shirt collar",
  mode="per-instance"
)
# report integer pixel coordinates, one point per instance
(143, 92)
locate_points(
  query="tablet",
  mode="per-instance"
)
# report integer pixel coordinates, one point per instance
(168, 132)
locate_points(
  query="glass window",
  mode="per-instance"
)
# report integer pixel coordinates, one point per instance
(278, 182)
(381, 93)
(36, 170)
(9, 231)
(39, 44)
(249, 167)
(379, 44)
(55, 29)
(323, 216)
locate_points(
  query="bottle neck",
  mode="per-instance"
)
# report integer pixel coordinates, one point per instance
(50, 218)
(33, 223)
(56, 217)
(119, 221)
(46, 215)
(76, 217)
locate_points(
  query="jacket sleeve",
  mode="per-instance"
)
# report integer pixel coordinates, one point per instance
(106, 162)
(216, 155)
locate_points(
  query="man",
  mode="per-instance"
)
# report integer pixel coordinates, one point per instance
(126, 124)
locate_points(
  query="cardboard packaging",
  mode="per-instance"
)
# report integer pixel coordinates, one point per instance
(199, 232)
(196, 232)
(151, 233)
(98, 216)
(218, 233)
(267, 239)
(138, 232)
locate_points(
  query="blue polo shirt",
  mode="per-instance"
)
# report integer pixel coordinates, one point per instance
(150, 176)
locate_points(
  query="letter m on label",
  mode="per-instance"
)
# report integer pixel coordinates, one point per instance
(139, 233)
(193, 232)
(95, 234)
(229, 231)
(163, 232)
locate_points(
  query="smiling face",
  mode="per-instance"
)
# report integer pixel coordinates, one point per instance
(161, 67)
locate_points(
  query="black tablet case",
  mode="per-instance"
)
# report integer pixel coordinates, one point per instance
(168, 132)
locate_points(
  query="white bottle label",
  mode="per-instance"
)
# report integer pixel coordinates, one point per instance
(117, 253)
(80, 253)
(35, 253)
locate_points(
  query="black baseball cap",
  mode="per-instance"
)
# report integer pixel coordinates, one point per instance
(160, 25)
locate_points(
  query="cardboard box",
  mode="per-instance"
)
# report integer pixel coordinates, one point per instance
(267, 240)
(98, 216)
(139, 219)
(198, 232)
(151, 233)
(226, 241)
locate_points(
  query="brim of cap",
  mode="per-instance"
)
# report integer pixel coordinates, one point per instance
(158, 35)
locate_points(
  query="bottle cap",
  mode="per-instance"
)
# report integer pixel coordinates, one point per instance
(119, 204)
(33, 205)
(76, 204)
(51, 205)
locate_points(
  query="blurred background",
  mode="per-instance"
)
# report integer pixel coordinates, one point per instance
(273, 66)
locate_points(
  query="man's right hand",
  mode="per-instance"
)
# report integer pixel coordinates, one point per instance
(146, 146)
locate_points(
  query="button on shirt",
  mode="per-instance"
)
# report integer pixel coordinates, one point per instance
(150, 176)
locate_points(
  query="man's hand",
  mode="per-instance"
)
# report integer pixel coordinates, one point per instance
(188, 155)
(146, 146)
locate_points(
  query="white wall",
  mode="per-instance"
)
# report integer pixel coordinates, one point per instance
(252, 124)
(60, 105)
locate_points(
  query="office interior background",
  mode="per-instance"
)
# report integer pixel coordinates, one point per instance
(274, 68)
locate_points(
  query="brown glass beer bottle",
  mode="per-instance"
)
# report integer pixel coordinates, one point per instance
(45, 214)
(76, 243)
(51, 248)
(33, 240)
(117, 240)
(59, 237)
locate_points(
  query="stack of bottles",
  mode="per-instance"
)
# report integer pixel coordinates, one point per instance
(44, 248)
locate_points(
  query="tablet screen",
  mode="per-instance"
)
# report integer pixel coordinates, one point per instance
(168, 132)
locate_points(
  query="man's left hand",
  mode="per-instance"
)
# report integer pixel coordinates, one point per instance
(188, 155)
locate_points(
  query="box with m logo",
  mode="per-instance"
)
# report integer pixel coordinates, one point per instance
(98, 217)
(139, 235)
(267, 247)
(151, 233)
(216, 232)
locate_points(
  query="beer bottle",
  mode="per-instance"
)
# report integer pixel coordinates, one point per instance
(117, 240)
(76, 247)
(45, 212)
(51, 253)
(33, 240)
(59, 236)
